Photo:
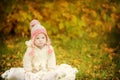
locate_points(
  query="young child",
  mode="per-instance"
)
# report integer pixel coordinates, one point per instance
(39, 62)
(40, 54)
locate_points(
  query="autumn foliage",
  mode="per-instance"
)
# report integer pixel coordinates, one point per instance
(84, 33)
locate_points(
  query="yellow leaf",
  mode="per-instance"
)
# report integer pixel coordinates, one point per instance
(76, 61)
(93, 34)
(93, 13)
(84, 49)
(61, 26)
(8, 64)
(88, 71)
(73, 19)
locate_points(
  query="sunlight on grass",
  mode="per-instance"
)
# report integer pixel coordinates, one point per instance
(93, 61)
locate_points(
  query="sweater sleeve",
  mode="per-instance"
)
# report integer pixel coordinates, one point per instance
(51, 60)
(27, 60)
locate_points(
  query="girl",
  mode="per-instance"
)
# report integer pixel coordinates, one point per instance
(40, 54)
(39, 62)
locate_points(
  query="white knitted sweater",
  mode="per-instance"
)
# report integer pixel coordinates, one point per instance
(41, 60)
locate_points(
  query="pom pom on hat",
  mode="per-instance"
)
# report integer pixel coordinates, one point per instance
(34, 22)
(37, 28)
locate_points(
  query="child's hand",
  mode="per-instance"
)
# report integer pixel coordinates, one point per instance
(44, 69)
(35, 70)
(28, 43)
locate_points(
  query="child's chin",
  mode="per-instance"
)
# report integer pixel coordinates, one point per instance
(40, 46)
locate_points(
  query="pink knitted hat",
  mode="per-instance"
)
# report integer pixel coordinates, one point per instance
(37, 28)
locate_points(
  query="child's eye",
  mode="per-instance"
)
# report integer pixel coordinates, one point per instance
(43, 37)
(37, 38)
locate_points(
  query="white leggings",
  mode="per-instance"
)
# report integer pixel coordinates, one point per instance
(62, 72)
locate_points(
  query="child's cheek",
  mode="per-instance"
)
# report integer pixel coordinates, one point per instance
(37, 42)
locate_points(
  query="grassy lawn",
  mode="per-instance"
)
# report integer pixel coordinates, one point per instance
(94, 61)
(84, 34)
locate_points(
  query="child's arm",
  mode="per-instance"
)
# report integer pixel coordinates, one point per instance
(27, 60)
(51, 60)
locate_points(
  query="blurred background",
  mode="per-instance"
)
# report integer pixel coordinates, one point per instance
(84, 34)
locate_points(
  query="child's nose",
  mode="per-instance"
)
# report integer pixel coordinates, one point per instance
(40, 40)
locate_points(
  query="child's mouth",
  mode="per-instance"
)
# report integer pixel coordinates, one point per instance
(40, 43)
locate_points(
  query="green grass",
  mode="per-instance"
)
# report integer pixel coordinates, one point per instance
(84, 34)
(93, 60)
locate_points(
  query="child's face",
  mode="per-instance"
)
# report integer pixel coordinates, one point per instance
(40, 40)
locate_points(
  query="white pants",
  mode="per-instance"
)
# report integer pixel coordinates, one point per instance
(62, 72)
